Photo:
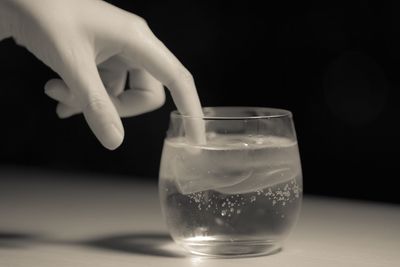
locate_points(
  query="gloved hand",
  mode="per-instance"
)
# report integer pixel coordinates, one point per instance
(93, 46)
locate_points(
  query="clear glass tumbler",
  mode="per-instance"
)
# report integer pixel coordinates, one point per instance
(238, 194)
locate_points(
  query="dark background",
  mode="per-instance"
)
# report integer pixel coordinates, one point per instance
(335, 66)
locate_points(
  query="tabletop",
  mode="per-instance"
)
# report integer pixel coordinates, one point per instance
(50, 218)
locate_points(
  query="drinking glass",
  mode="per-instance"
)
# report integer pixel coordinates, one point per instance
(237, 194)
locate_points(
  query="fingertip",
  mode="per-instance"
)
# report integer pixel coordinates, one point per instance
(49, 88)
(50, 84)
(51, 92)
(109, 131)
(113, 138)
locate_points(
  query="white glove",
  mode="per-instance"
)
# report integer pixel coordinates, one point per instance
(93, 45)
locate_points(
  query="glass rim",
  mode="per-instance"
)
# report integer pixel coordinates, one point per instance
(276, 113)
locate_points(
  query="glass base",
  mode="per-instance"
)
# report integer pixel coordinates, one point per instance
(231, 249)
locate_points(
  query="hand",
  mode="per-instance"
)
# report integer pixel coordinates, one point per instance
(93, 46)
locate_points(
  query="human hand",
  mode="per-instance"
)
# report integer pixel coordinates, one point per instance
(93, 46)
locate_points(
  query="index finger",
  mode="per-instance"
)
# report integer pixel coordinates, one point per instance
(151, 54)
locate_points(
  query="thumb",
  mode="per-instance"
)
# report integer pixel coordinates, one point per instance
(85, 83)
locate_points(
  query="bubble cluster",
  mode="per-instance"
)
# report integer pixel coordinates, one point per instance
(209, 216)
(234, 205)
(283, 195)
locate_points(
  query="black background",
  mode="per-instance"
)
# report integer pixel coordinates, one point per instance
(335, 66)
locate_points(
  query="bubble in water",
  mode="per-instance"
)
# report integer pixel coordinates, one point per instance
(223, 212)
(218, 221)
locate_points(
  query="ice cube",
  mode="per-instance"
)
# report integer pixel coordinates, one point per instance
(261, 180)
(210, 169)
(234, 164)
(273, 162)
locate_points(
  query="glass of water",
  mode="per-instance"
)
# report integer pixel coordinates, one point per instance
(239, 193)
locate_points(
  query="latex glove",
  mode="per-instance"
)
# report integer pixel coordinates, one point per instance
(93, 45)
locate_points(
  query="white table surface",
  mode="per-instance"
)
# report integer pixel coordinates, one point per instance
(60, 219)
